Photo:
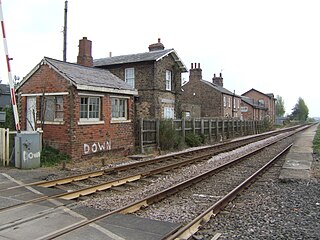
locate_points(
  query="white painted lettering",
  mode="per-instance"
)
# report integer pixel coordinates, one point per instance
(96, 147)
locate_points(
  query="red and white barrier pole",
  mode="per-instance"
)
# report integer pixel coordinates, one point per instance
(11, 83)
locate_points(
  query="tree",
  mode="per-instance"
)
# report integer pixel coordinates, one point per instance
(280, 110)
(300, 111)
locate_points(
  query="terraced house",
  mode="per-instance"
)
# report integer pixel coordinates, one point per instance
(156, 75)
(201, 98)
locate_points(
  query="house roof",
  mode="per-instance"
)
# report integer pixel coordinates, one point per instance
(269, 95)
(219, 88)
(140, 57)
(86, 78)
(252, 103)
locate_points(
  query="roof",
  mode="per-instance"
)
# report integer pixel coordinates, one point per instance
(219, 88)
(86, 78)
(269, 95)
(140, 57)
(252, 103)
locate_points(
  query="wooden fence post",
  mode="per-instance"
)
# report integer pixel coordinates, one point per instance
(158, 133)
(210, 130)
(141, 135)
(183, 126)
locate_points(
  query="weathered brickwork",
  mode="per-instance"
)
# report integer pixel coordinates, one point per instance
(150, 81)
(266, 100)
(72, 136)
(196, 92)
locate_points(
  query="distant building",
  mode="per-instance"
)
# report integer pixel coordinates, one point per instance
(201, 98)
(5, 97)
(264, 100)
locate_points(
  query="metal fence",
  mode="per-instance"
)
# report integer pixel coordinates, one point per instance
(215, 130)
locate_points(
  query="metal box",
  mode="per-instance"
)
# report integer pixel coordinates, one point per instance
(27, 150)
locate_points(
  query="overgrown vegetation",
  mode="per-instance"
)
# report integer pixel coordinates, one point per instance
(169, 138)
(52, 157)
(194, 140)
(316, 143)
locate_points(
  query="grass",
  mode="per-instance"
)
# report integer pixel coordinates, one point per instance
(51, 157)
(316, 143)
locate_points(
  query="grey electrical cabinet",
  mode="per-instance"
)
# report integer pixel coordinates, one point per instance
(27, 150)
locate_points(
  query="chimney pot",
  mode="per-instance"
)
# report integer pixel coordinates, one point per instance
(191, 65)
(159, 40)
(198, 65)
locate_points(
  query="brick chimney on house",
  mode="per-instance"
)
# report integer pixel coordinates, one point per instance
(195, 73)
(218, 80)
(85, 57)
(156, 46)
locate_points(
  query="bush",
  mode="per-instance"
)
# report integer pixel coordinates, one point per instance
(316, 143)
(52, 157)
(194, 140)
(169, 138)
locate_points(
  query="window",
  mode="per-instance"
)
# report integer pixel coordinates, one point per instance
(168, 80)
(90, 108)
(129, 76)
(229, 102)
(224, 101)
(168, 112)
(52, 108)
(234, 103)
(119, 109)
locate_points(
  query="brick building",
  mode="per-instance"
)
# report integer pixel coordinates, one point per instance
(155, 74)
(201, 98)
(252, 110)
(83, 110)
(265, 102)
(5, 97)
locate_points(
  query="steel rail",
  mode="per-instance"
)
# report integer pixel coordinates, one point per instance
(192, 227)
(145, 202)
(221, 146)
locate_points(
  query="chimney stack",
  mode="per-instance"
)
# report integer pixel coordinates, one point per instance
(156, 46)
(195, 73)
(85, 57)
(217, 80)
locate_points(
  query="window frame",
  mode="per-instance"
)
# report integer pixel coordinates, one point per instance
(130, 80)
(125, 110)
(169, 110)
(168, 80)
(53, 107)
(88, 110)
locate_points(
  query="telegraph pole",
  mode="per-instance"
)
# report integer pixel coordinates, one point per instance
(65, 31)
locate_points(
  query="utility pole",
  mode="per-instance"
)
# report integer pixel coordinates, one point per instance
(65, 31)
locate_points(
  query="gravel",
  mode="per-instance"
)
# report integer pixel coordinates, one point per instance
(270, 209)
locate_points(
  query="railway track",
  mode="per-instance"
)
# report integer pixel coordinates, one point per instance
(146, 201)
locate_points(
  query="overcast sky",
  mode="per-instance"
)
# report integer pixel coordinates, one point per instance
(272, 46)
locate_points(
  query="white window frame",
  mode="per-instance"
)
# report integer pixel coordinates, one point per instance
(229, 102)
(129, 76)
(224, 101)
(117, 100)
(88, 110)
(168, 112)
(57, 103)
(168, 80)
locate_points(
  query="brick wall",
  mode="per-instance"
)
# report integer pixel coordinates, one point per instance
(198, 93)
(150, 83)
(78, 141)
